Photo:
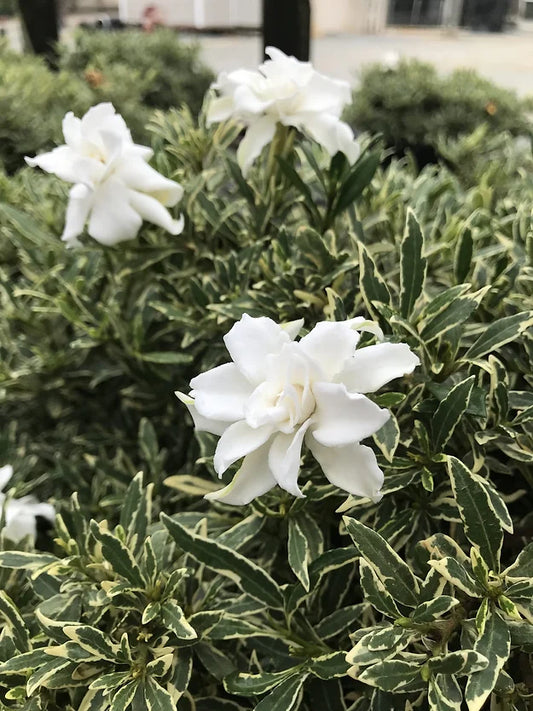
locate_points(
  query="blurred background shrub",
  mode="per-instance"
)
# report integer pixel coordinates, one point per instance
(136, 71)
(415, 108)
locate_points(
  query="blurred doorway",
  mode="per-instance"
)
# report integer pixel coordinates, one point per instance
(415, 12)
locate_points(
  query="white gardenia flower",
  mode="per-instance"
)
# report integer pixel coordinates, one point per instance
(278, 393)
(114, 187)
(20, 514)
(286, 91)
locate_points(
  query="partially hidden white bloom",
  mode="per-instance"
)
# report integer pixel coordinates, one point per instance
(114, 187)
(286, 91)
(278, 393)
(20, 514)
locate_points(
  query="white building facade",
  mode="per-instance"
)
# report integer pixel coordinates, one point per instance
(328, 16)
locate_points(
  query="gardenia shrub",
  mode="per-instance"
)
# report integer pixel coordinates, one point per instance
(138, 72)
(414, 108)
(152, 594)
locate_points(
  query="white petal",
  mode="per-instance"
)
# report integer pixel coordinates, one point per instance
(253, 479)
(72, 130)
(221, 393)
(263, 407)
(250, 341)
(6, 473)
(103, 117)
(19, 524)
(373, 366)
(334, 135)
(360, 323)
(21, 515)
(44, 510)
(141, 177)
(61, 161)
(202, 424)
(256, 138)
(293, 328)
(219, 108)
(153, 211)
(284, 458)
(79, 206)
(112, 219)
(251, 101)
(342, 417)
(352, 468)
(237, 441)
(324, 95)
(330, 344)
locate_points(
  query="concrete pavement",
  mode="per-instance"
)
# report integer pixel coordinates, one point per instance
(506, 59)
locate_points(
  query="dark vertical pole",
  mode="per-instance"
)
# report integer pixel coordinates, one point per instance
(41, 22)
(287, 26)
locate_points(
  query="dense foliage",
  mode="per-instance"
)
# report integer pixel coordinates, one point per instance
(136, 71)
(139, 72)
(33, 101)
(414, 107)
(413, 602)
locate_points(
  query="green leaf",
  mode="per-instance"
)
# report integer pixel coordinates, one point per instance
(233, 627)
(157, 698)
(20, 560)
(326, 695)
(460, 663)
(136, 512)
(24, 662)
(433, 609)
(257, 684)
(249, 577)
(166, 357)
(412, 265)
(495, 644)
(391, 675)
(498, 504)
(455, 313)
(521, 635)
(371, 283)
(93, 641)
(341, 620)
(444, 694)
(148, 440)
(124, 696)
(499, 333)
(118, 555)
(243, 532)
(463, 255)
(387, 438)
(15, 625)
(482, 526)
(456, 574)
(361, 655)
(523, 565)
(450, 411)
(396, 575)
(110, 681)
(329, 666)
(358, 179)
(385, 638)
(302, 187)
(215, 661)
(284, 697)
(44, 673)
(298, 552)
(173, 617)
